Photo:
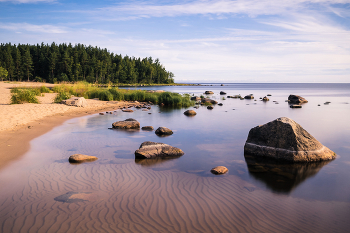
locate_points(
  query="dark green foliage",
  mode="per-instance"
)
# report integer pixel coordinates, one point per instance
(174, 99)
(151, 97)
(101, 94)
(20, 96)
(62, 96)
(67, 63)
(117, 95)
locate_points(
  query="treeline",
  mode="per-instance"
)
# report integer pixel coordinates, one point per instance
(66, 63)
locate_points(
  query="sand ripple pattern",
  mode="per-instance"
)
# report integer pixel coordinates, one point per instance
(129, 198)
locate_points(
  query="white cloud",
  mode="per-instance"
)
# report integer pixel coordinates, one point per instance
(18, 27)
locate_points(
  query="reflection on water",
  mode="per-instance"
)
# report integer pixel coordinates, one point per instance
(281, 177)
(154, 161)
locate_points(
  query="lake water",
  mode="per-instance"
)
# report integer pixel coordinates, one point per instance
(117, 193)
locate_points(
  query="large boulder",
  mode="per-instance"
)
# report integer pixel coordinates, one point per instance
(150, 150)
(79, 158)
(127, 124)
(163, 131)
(284, 139)
(296, 99)
(75, 101)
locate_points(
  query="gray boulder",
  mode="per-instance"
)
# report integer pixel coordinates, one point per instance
(296, 99)
(150, 150)
(284, 139)
(127, 124)
(75, 101)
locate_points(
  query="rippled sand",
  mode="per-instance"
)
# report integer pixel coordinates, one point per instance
(125, 198)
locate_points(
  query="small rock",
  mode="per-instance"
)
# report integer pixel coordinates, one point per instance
(249, 97)
(127, 124)
(75, 101)
(190, 113)
(210, 107)
(148, 128)
(127, 110)
(79, 158)
(163, 131)
(219, 170)
(208, 92)
(296, 99)
(268, 94)
(150, 150)
(101, 113)
(222, 93)
(265, 99)
(220, 104)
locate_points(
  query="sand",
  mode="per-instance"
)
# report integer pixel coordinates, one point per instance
(20, 123)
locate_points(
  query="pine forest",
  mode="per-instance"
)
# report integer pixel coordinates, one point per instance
(67, 63)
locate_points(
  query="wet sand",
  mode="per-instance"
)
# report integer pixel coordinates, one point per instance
(20, 123)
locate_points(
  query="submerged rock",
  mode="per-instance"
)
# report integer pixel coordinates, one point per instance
(79, 158)
(72, 197)
(296, 99)
(163, 131)
(219, 170)
(127, 124)
(127, 110)
(206, 100)
(147, 128)
(190, 113)
(284, 139)
(150, 150)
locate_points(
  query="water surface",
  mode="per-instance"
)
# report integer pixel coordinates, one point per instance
(44, 192)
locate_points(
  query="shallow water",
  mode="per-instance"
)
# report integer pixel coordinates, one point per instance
(44, 192)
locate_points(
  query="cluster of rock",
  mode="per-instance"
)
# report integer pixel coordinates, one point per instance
(75, 101)
(284, 139)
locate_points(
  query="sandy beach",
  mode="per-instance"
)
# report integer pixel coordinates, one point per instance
(20, 123)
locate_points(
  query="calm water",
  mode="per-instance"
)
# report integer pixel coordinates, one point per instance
(121, 188)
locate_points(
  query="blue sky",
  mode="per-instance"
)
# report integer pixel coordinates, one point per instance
(199, 40)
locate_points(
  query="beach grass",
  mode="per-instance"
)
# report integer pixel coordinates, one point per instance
(91, 91)
(20, 96)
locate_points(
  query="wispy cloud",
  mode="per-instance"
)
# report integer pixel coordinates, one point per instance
(19, 27)
(252, 8)
(27, 1)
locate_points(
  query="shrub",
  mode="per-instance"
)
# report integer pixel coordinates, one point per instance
(62, 96)
(23, 96)
(101, 94)
(117, 95)
(44, 89)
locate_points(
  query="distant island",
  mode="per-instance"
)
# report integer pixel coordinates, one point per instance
(67, 63)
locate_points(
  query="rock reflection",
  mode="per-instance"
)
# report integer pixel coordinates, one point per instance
(281, 177)
(155, 161)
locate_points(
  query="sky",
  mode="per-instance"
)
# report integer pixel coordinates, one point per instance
(199, 40)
